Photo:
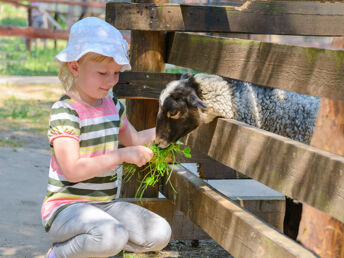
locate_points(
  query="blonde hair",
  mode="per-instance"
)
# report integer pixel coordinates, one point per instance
(65, 75)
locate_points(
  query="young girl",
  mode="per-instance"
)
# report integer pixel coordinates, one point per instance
(79, 212)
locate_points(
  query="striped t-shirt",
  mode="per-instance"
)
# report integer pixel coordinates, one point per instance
(96, 129)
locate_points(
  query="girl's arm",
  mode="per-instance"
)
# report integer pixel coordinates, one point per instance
(76, 169)
(130, 136)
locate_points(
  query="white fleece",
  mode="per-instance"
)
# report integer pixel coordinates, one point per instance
(282, 112)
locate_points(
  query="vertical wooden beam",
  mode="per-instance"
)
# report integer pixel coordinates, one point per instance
(29, 24)
(56, 17)
(147, 52)
(318, 231)
(338, 42)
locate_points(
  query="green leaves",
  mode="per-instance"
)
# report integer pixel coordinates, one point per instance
(149, 180)
(156, 168)
(186, 152)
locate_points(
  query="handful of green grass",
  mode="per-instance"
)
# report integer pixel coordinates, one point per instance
(156, 168)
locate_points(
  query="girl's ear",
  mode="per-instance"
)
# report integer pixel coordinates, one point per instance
(74, 68)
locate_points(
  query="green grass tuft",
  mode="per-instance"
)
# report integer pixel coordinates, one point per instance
(158, 167)
(15, 60)
(14, 57)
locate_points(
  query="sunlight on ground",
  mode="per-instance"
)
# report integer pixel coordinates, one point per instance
(13, 251)
(42, 92)
(26, 107)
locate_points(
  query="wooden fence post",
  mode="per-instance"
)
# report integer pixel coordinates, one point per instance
(147, 52)
(318, 231)
(29, 23)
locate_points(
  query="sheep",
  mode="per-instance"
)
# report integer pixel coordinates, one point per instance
(197, 99)
(193, 100)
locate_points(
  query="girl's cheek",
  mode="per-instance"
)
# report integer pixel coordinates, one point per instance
(116, 78)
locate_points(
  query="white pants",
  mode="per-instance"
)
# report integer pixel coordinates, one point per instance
(102, 230)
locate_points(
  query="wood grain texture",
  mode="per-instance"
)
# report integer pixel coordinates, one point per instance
(235, 229)
(147, 54)
(297, 170)
(313, 71)
(30, 32)
(268, 17)
(318, 231)
(142, 85)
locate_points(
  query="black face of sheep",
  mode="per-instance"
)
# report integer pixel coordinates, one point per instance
(178, 111)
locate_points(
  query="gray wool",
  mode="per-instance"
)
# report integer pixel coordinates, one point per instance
(282, 112)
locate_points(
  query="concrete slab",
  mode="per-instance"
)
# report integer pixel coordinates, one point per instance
(257, 198)
(245, 189)
(23, 185)
(239, 189)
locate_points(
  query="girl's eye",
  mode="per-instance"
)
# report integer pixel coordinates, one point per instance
(102, 73)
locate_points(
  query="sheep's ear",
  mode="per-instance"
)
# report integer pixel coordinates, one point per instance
(192, 83)
(195, 101)
(185, 76)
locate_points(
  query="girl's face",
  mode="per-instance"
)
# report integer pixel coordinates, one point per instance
(93, 79)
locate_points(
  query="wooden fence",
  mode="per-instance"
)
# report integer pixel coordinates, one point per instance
(52, 10)
(311, 174)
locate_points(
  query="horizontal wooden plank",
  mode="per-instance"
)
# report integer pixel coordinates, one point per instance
(209, 168)
(182, 227)
(297, 170)
(31, 32)
(141, 85)
(269, 205)
(313, 71)
(72, 3)
(17, 3)
(235, 229)
(268, 17)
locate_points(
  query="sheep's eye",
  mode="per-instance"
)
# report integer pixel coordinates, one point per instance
(175, 114)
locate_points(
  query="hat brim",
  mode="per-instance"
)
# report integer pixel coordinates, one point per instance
(70, 54)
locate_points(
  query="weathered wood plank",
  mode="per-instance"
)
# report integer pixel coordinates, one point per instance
(269, 205)
(236, 230)
(147, 54)
(77, 3)
(318, 231)
(268, 17)
(209, 168)
(16, 3)
(140, 85)
(182, 227)
(297, 170)
(313, 71)
(30, 32)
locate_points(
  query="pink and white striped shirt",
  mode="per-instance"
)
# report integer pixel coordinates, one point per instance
(96, 129)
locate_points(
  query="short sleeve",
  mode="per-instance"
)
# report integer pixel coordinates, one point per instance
(123, 116)
(64, 122)
(120, 106)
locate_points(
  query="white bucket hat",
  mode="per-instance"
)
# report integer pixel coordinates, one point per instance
(92, 34)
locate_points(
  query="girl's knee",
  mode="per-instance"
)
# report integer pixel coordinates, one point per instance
(113, 237)
(161, 235)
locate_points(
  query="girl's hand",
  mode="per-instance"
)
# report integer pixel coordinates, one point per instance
(138, 155)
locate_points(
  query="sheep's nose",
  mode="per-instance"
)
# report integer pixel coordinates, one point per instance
(161, 143)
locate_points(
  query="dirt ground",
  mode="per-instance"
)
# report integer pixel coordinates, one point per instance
(24, 161)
